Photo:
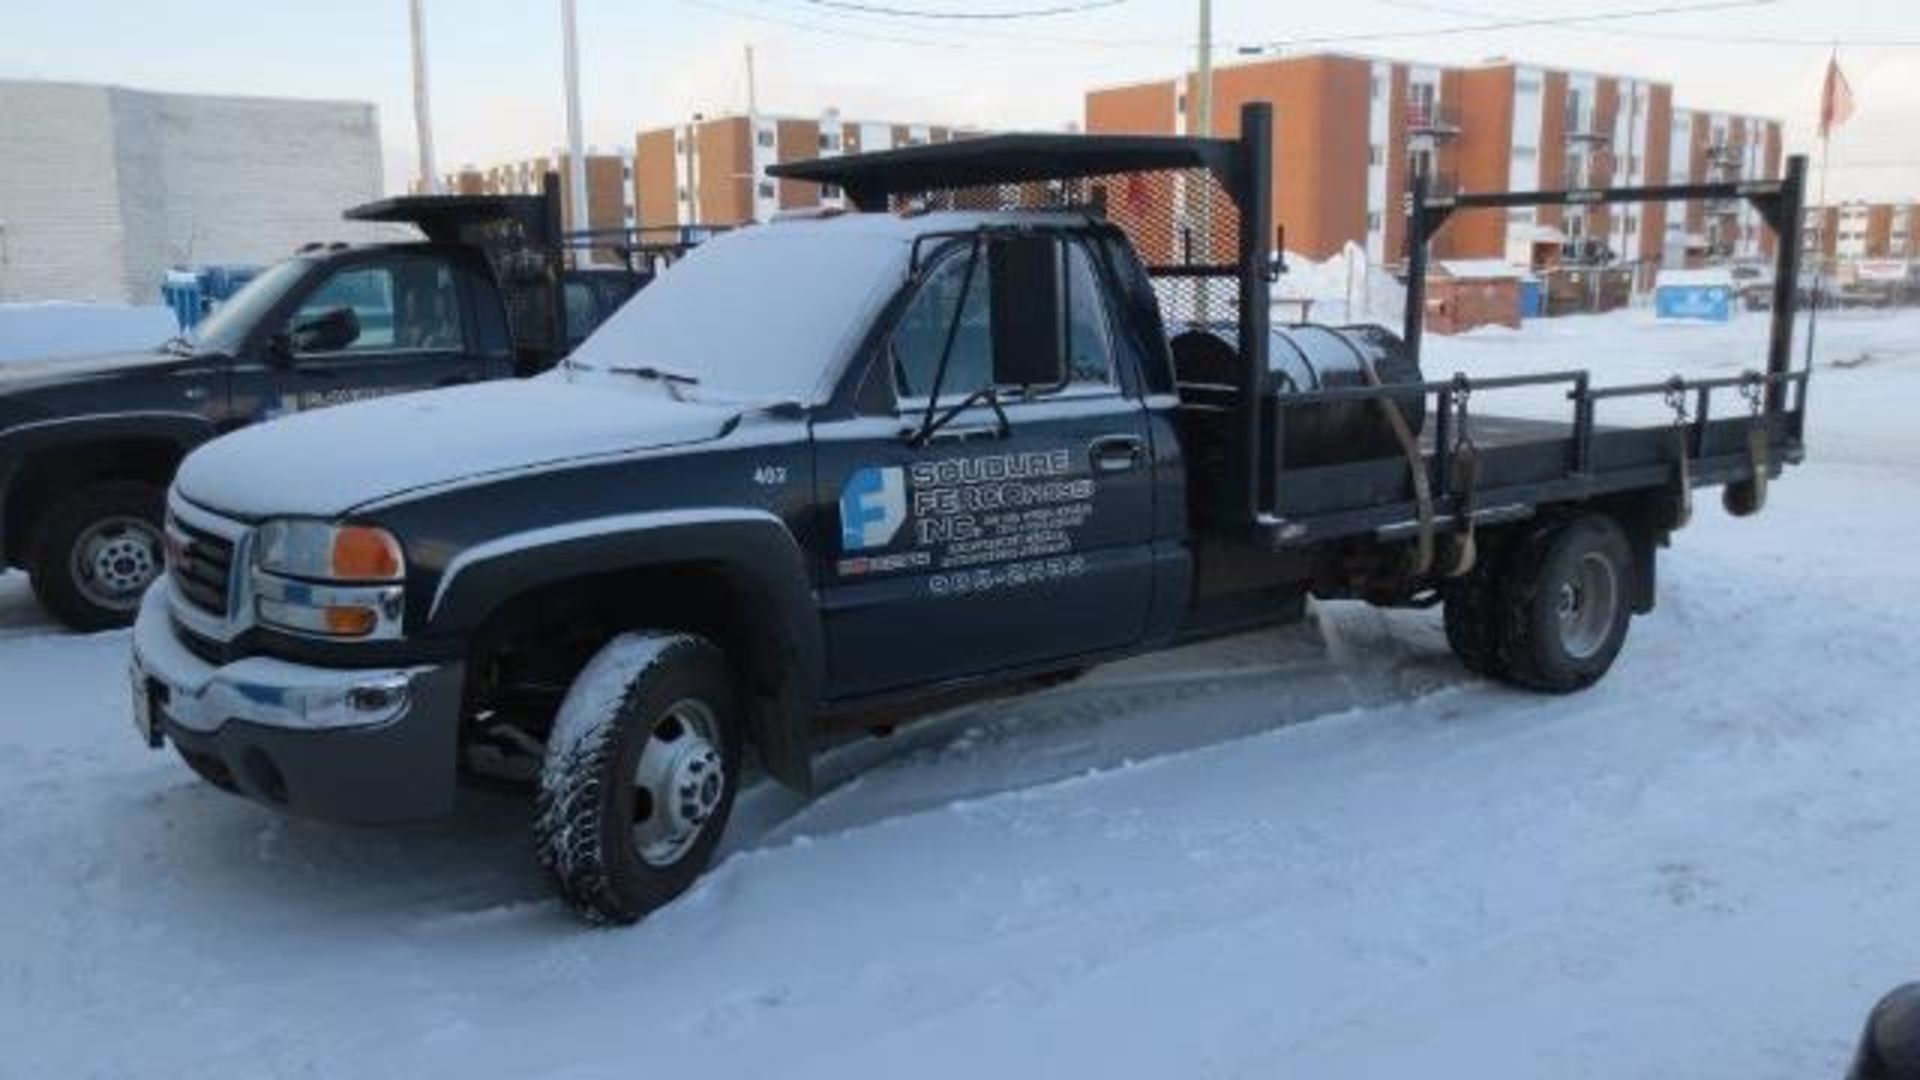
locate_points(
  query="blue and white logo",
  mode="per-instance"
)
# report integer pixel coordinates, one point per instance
(873, 506)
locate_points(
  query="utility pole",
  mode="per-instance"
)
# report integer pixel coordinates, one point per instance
(576, 143)
(422, 111)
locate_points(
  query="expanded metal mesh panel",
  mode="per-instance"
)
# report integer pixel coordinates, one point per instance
(1182, 223)
(526, 269)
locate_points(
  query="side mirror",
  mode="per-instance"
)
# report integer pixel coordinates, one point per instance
(329, 332)
(1029, 325)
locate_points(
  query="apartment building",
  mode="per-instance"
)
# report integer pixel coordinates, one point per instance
(713, 171)
(1860, 230)
(1715, 147)
(1350, 131)
(610, 188)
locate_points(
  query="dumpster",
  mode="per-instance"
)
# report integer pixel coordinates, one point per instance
(1705, 295)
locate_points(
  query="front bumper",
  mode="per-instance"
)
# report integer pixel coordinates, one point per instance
(358, 744)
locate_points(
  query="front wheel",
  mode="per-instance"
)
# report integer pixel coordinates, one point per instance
(640, 775)
(96, 552)
(1565, 604)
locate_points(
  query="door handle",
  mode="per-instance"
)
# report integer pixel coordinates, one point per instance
(1116, 453)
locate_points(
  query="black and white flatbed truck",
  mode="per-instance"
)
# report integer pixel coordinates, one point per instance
(1022, 413)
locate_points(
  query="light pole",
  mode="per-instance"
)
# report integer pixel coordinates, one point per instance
(422, 110)
(1203, 96)
(576, 150)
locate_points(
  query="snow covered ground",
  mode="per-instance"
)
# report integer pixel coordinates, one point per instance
(44, 331)
(1322, 851)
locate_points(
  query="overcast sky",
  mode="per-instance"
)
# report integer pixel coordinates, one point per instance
(496, 64)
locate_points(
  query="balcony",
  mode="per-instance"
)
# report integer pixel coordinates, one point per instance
(1433, 119)
(1584, 126)
(1726, 154)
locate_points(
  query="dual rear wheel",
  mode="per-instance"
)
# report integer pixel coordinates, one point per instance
(1550, 611)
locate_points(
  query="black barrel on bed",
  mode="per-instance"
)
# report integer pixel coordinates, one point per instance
(1308, 356)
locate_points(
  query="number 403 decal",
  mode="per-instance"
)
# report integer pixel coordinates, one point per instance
(770, 475)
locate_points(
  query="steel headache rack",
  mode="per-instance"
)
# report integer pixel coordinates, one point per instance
(1199, 212)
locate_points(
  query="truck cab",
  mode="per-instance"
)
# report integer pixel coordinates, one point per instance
(88, 444)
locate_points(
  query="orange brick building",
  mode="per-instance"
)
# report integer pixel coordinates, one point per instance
(713, 171)
(1351, 130)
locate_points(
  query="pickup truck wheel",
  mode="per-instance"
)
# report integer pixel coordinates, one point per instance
(639, 776)
(96, 552)
(1472, 617)
(1565, 604)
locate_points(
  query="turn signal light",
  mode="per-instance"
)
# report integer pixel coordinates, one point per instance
(350, 621)
(364, 554)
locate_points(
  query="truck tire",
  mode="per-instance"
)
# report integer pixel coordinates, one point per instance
(1471, 612)
(1565, 601)
(96, 552)
(639, 776)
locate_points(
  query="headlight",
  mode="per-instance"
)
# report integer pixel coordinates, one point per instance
(337, 581)
(321, 552)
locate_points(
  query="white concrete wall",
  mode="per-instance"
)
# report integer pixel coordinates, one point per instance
(59, 195)
(103, 188)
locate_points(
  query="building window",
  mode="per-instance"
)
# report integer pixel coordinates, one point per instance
(683, 195)
(764, 138)
(1375, 155)
(830, 191)
(766, 189)
(1374, 87)
(1526, 86)
(829, 141)
(1373, 221)
(1180, 103)
(1523, 153)
(679, 146)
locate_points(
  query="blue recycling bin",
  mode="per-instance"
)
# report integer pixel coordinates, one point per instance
(1533, 299)
(181, 292)
(192, 291)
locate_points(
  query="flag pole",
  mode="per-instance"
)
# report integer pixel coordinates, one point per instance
(1820, 260)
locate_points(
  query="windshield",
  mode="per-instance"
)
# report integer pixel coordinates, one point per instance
(225, 328)
(767, 313)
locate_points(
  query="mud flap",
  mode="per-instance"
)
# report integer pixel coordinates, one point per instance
(783, 737)
(1745, 497)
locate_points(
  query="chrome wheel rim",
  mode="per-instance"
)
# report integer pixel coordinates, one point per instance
(114, 560)
(1586, 604)
(679, 782)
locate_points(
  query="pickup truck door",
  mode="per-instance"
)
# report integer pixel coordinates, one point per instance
(413, 331)
(980, 551)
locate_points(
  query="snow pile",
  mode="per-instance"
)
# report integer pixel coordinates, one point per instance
(1343, 289)
(1323, 851)
(41, 331)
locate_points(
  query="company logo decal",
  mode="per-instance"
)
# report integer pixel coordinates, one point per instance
(873, 506)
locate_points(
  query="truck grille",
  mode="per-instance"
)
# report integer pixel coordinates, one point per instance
(202, 567)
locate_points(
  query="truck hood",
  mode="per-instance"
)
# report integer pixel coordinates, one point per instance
(327, 462)
(28, 374)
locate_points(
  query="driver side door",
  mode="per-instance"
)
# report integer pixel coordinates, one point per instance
(981, 549)
(409, 331)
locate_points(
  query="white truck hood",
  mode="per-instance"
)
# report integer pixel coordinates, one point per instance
(326, 462)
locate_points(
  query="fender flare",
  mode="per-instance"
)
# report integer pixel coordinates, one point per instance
(22, 441)
(753, 546)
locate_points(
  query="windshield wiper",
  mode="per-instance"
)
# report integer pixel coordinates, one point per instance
(658, 374)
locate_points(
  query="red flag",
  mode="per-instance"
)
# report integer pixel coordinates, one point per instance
(1836, 98)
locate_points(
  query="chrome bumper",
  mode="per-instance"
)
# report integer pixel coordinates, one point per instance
(261, 690)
